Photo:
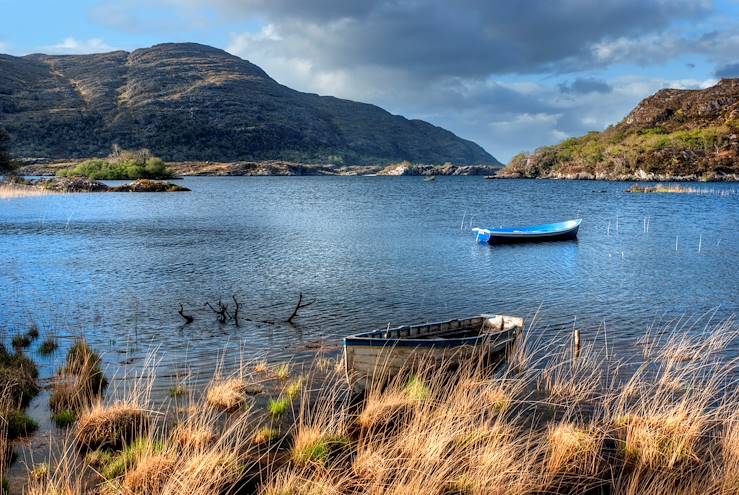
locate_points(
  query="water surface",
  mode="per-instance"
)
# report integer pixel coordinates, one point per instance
(371, 251)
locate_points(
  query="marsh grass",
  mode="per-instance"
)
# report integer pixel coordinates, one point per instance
(15, 191)
(474, 431)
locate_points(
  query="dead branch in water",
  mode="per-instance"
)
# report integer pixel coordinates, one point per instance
(298, 307)
(222, 311)
(188, 319)
(235, 316)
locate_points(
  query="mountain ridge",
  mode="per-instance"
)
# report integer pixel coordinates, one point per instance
(674, 134)
(187, 101)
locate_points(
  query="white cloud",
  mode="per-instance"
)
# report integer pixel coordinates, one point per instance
(4, 47)
(71, 45)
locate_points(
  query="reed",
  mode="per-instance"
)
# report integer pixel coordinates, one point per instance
(15, 191)
(474, 431)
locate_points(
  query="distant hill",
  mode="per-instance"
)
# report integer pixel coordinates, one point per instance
(187, 101)
(673, 134)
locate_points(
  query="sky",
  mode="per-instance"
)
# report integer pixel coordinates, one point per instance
(511, 75)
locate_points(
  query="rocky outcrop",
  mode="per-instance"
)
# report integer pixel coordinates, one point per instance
(146, 185)
(82, 184)
(186, 101)
(279, 168)
(72, 185)
(407, 168)
(673, 135)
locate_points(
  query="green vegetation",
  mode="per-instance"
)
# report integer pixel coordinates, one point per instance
(48, 347)
(278, 407)
(121, 165)
(64, 418)
(18, 376)
(127, 458)
(700, 151)
(19, 424)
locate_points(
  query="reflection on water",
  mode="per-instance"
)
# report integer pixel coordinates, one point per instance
(370, 250)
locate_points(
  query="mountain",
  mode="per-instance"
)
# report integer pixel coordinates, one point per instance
(187, 101)
(675, 134)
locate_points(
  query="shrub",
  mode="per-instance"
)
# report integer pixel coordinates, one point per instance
(120, 169)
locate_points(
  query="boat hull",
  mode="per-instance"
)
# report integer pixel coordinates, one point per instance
(563, 236)
(563, 231)
(377, 357)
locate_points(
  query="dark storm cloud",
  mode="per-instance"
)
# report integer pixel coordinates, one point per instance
(470, 38)
(728, 70)
(584, 86)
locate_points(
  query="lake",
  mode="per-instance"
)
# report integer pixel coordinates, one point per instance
(371, 251)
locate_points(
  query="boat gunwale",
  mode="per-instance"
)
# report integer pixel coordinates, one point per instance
(371, 339)
(533, 230)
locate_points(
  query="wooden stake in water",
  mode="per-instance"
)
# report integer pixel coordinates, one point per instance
(576, 341)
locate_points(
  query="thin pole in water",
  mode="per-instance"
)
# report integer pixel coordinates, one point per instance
(461, 227)
(700, 242)
(609, 228)
(676, 243)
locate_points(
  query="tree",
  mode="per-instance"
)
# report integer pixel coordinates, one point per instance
(6, 165)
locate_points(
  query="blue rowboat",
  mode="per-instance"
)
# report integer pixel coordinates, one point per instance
(536, 233)
(380, 354)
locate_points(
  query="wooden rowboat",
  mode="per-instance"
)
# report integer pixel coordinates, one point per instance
(381, 354)
(536, 233)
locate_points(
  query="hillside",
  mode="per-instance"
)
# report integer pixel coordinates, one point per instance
(672, 135)
(194, 102)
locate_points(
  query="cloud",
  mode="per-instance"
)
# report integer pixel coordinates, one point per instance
(452, 63)
(728, 70)
(467, 38)
(71, 45)
(4, 47)
(585, 85)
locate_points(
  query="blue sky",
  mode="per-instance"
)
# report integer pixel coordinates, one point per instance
(511, 76)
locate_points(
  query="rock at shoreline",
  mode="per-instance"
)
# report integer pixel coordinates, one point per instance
(147, 185)
(83, 184)
(72, 185)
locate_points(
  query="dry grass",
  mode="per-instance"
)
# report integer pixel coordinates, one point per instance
(150, 475)
(229, 395)
(15, 191)
(193, 436)
(573, 449)
(473, 432)
(101, 426)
